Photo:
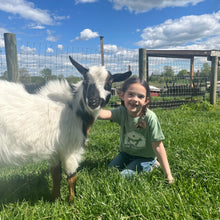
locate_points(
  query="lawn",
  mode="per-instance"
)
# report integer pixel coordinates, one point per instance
(193, 147)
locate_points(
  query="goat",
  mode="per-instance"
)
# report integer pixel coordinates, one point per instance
(53, 124)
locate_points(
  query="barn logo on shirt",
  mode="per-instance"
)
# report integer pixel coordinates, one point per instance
(134, 141)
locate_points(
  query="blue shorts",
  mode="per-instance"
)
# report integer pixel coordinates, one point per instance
(137, 164)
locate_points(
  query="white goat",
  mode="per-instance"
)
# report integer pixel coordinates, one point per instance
(53, 124)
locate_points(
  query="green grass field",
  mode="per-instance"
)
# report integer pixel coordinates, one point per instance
(193, 147)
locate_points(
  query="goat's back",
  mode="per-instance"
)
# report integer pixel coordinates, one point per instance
(30, 124)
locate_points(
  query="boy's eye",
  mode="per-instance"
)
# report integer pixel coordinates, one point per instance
(141, 96)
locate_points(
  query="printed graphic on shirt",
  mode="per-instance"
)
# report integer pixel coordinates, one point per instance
(134, 141)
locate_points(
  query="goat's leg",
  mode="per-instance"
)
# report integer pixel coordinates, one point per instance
(56, 173)
(71, 180)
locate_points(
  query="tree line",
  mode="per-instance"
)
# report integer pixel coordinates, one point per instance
(44, 76)
(169, 72)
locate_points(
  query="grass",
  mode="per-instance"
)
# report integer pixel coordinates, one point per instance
(192, 143)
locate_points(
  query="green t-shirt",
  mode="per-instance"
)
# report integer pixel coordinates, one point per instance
(137, 141)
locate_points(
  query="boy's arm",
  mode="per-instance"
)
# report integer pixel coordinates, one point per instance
(105, 115)
(161, 155)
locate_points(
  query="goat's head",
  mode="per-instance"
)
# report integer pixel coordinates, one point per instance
(97, 84)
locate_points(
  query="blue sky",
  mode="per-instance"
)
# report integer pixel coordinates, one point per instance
(152, 24)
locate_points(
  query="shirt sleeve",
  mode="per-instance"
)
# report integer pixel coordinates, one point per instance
(155, 129)
(118, 115)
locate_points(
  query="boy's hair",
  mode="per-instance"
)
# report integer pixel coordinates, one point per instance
(141, 122)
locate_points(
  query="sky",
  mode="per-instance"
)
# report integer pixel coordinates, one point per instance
(57, 29)
(131, 24)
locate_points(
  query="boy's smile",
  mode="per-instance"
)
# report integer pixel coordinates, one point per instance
(134, 99)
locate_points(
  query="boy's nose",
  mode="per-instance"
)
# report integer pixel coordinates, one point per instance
(135, 98)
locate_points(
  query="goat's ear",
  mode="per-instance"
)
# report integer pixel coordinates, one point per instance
(121, 76)
(79, 67)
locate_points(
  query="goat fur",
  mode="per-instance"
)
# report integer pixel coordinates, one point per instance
(49, 125)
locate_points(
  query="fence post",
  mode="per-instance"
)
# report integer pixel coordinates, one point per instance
(191, 71)
(11, 57)
(102, 50)
(143, 64)
(214, 73)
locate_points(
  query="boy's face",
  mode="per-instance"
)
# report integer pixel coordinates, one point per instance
(134, 99)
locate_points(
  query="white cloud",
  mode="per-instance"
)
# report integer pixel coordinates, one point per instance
(2, 43)
(60, 46)
(27, 50)
(108, 48)
(60, 18)
(26, 10)
(87, 34)
(38, 27)
(85, 1)
(49, 50)
(51, 37)
(139, 6)
(184, 31)
(2, 31)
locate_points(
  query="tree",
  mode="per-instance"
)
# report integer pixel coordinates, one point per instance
(5, 75)
(24, 75)
(168, 71)
(183, 73)
(205, 70)
(46, 74)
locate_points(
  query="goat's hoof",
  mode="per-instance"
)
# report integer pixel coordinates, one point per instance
(71, 198)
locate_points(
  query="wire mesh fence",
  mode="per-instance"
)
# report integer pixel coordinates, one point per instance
(169, 78)
(173, 85)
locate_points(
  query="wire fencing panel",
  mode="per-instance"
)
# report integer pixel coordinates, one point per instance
(168, 77)
(35, 57)
(172, 84)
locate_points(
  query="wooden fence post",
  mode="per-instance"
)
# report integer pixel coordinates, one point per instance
(214, 73)
(191, 71)
(143, 64)
(102, 50)
(11, 57)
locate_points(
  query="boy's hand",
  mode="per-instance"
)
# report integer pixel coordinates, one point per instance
(170, 179)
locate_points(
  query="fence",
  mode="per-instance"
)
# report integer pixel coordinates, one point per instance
(39, 62)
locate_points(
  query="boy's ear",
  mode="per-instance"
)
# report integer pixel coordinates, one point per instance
(121, 95)
(147, 100)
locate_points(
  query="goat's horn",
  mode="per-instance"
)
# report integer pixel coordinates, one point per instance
(78, 66)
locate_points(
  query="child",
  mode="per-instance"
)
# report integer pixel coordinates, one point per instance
(140, 135)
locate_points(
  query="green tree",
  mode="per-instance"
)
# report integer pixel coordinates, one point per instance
(183, 73)
(168, 71)
(205, 70)
(24, 75)
(46, 74)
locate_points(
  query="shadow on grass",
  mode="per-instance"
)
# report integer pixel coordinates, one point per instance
(30, 187)
(91, 164)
